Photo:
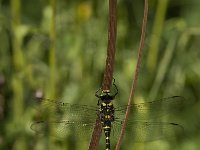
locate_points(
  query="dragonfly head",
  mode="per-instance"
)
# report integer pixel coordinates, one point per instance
(106, 95)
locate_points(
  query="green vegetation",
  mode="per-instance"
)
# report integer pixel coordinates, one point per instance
(57, 49)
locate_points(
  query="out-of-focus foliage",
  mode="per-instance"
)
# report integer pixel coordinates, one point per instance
(170, 66)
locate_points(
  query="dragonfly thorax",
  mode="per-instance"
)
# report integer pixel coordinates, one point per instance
(106, 112)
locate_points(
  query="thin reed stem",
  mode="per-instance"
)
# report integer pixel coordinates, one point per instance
(156, 34)
(52, 57)
(134, 83)
(108, 74)
(51, 86)
(18, 67)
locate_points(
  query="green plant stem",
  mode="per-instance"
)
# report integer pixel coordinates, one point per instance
(52, 69)
(162, 69)
(17, 76)
(52, 56)
(156, 34)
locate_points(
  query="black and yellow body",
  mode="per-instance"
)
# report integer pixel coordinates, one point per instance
(106, 113)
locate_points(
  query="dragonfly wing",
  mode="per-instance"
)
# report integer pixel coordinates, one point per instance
(62, 129)
(65, 119)
(73, 112)
(154, 109)
(148, 131)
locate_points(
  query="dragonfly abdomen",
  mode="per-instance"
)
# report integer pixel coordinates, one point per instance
(107, 130)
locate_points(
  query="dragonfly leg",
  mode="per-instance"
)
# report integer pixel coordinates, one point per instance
(96, 94)
(115, 89)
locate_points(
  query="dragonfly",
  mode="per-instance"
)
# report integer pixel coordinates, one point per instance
(82, 118)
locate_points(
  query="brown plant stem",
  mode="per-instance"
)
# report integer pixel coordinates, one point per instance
(108, 74)
(134, 83)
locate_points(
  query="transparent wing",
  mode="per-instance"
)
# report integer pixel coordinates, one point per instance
(74, 112)
(65, 119)
(151, 110)
(138, 131)
(147, 131)
(79, 120)
(62, 129)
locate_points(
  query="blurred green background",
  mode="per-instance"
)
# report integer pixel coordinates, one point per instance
(57, 49)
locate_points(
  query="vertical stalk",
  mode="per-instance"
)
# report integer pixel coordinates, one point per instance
(18, 60)
(108, 73)
(163, 66)
(156, 34)
(52, 58)
(135, 74)
(51, 85)
(17, 79)
(111, 48)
